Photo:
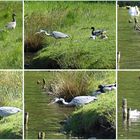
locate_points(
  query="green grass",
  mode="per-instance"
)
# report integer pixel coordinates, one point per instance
(71, 84)
(11, 95)
(96, 119)
(10, 40)
(70, 17)
(128, 41)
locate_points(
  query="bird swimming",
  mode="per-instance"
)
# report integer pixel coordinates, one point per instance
(12, 25)
(55, 34)
(76, 101)
(134, 113)
(134, 11)
(7, 111)
(96, 33)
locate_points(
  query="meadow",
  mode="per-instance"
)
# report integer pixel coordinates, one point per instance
(74, 19)
(128, 41)
(11, 95)
(10, 40)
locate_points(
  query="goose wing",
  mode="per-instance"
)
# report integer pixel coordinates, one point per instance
(11, 25)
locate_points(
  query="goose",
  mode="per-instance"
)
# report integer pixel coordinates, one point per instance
(103, 36)
(55, 34)
(134, 113)
(7, 111)
(12, 25)
(104, 88)
(76, 101)
(134, 11)
(96, 33)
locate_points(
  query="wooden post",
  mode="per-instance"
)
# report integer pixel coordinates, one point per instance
(118, 58)
(124, 108)
(41, 135)
(26, 118)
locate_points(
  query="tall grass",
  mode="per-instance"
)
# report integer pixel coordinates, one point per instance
(75, 19)
(11, 95)
(71, 84)
(10, 40)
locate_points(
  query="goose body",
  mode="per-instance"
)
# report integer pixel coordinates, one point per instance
(96, 33)
(12, 25)
(134, 11)
(7, 111)
(55, 34)
(77, 101)
(134, 113)
(104, 89)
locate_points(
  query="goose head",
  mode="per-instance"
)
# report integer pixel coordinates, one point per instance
(13, 16)
(93, 28)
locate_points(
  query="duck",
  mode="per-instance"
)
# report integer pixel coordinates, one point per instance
(55, 34)
(8, 111)
(96, 33)
(12, 25)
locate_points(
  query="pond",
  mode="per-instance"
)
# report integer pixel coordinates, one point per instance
(42, 117)
(128, 87)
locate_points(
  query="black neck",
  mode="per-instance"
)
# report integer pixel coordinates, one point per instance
(13, 18)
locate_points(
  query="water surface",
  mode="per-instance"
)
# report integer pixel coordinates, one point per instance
(129, 88)
(42, 117)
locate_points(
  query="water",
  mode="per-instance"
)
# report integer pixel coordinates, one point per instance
(42, 117)
(129, 87)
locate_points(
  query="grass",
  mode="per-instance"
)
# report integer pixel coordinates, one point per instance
(11, 95)
(71, 84)
(128, 41)
(74, 19)
(96, 119)
(10, 40)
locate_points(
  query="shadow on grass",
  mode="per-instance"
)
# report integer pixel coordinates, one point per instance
(9, 134)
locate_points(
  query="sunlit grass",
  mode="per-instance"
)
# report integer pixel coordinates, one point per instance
(71, 18)
(11, 95)
(10, 40)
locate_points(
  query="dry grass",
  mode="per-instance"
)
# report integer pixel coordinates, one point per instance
(69, 85)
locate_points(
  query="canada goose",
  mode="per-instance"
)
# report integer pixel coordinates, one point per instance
(12, 25)
(55, 34)
(104, 88)
(134, 113)
(96, 33)
(134, 11)
(103, 36)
